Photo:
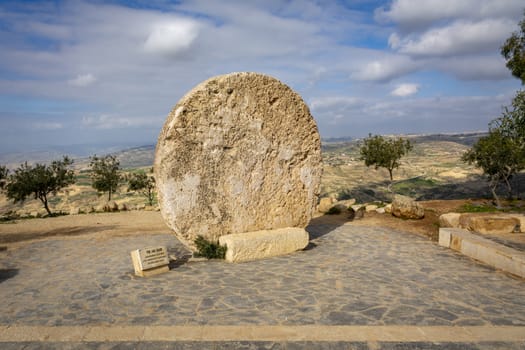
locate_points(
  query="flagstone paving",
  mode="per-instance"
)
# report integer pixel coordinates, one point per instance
(349, 275)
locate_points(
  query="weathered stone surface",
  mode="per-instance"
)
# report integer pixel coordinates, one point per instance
(489, 223)
(380, 210)
(388, 208)
(356, 212)
(238, 153)
(407, 208)
(370, 207)
(263, 244)
(325, 204)
(449, 220)
(347, 202)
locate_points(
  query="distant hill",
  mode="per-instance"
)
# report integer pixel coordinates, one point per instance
(143, 156)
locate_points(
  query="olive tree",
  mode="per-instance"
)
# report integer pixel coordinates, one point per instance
(3, 176)
(513, 50)
(384, 153)
(105, 174)
(512, 125)
(40, 181)
(501, 154)
(144, 184)
(496, 154)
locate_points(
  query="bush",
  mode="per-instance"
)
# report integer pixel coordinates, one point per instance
(209, 250)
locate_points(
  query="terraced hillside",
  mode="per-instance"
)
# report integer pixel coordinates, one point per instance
(433, 170)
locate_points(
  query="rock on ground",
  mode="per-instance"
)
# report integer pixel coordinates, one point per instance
(406, 208)
(238, 153)
(449, 220)
(325, 204)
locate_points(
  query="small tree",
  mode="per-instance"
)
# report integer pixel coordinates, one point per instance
(512, 124)
(498, 157)
(40, 180)
(384, 153)
(105, 174)
(513, 50)
(143, 184)
(3, 176)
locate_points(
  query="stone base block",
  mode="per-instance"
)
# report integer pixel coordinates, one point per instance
(263, 244)
(484, 250)
(152, 272)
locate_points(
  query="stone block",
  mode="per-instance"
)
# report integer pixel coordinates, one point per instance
(484, 250)
(150, 261)
(238, 153)
(449, 220)
(263, 244)
(325, 204)
(444, 237)
(370, 207)
(490, 224)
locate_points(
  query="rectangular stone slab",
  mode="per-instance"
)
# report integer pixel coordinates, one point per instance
(484, 250)
(149, 259)
(263, 244)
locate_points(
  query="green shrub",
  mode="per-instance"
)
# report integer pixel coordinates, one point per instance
(209, 250)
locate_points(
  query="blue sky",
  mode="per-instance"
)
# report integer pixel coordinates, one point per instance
(109, 72)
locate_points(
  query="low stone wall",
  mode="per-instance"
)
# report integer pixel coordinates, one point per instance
(484, 250)
(263, 244)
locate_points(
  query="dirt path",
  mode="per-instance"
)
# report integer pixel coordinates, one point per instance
(108, 225)
(99, 226)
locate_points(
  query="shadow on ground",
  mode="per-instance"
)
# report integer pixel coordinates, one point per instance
(323, 225)
(6, 274)
(65, 231)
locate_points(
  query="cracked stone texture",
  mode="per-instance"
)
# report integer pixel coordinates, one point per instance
(239, 153)
(349, 275)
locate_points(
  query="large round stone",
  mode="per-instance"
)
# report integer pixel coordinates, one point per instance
(239, 153)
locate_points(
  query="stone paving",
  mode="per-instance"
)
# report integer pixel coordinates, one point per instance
(349, 275)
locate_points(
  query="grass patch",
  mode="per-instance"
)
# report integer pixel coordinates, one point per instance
(477, 208)
(411, 186)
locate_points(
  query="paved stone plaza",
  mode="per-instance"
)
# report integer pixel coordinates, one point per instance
(349, 276)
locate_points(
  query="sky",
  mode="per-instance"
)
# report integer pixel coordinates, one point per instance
(109, 72)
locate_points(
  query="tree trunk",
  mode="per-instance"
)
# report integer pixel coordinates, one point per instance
(150, 197)
(46, 206)
(493, 189)
(109, 195)
(509, 188)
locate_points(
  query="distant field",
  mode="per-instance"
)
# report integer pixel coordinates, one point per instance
(433, 170)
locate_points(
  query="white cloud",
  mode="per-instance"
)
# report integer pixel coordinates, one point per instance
(404, 90)
(339, 103)
(82, 80)
(412, 15)
(172, 38)
(489, 67)
(410, 115)
(460, 37)
(106, 121)
(386, 69)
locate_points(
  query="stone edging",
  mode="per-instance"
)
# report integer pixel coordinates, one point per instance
(262, 333)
